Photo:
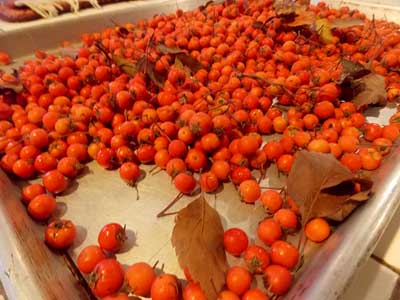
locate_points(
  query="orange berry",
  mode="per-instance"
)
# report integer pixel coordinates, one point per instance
(348, 143)
(209, 182)
(228, 295)
(284, 254)
(370, 158)
(285, 163)
(324, 110)
(383, 145)
(302, 138)
(335, 150)
(271, 200)
(210, 142)
(238, 280)
(351, 131)
(249, 190)
(279, 124)
(221, 169)
(352, 161)
(286, 218)
(248, 145)
(390, 132)
(269, 231)
(372, 131)
(273, 150)
(310, 121)
(319, 145)
(139, 277)
(317, 230)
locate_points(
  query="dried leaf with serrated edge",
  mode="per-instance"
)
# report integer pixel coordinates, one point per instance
(155, 77)
(198, 241)
(125, 65)
(373, 91)
(148, 68)
(323, 28)
(189, 61)
(337, 202)
(168, 50)
(305, 18)
(345, 23)
(352, 70)
(310, 174)
(185, 60)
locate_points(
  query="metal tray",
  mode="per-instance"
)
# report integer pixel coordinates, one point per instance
(29, 270)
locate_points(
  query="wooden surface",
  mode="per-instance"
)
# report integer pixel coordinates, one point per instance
(25, 257)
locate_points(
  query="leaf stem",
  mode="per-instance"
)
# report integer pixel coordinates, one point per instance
(137, 192)
(175, 200)
(103, 50)
(153, 169)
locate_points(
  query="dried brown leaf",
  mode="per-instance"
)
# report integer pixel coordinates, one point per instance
(311, 173)
(185, 60)
(189, 61)
(345, 23)
(198, 241)
(156, 77)
(323, 28)
(287, 8)
(306, 18)
(373, 91)
(125, 65)
(260, 25)
(180, 65)
(122, 31)
(337, 202)
(7, 86)
(148, 68)
(168, 50)
(352, 70)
